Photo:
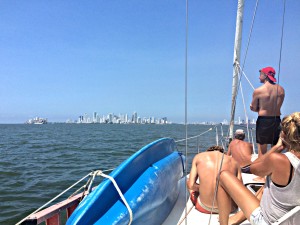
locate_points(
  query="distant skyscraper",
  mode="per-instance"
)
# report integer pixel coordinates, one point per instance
(95, 117)
(110, 118)
(134, 117)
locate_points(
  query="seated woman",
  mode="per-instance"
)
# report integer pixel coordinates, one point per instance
(281, 190)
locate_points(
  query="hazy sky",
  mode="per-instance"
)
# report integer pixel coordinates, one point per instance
(61, 59)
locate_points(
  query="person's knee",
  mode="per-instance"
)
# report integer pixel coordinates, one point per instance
(224, 174)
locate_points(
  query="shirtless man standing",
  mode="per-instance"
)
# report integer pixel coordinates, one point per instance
(267, 101)
(240, 150)
(205, 167)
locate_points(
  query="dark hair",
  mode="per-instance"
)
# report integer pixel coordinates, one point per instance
(268, 79)
(239, 136)
(215, 148)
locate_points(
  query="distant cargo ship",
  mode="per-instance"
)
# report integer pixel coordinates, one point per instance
(36, 120)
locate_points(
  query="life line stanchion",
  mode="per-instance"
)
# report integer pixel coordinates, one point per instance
(100, 173)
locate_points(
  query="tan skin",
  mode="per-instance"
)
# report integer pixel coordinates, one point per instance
(267, 101)
(241, 151)
(239, 217)
(273, 163)
(205, 167)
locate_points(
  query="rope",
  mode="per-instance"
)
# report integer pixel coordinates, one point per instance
(100, 173)
(184, 218)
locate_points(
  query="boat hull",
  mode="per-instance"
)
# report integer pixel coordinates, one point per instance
(149, 180)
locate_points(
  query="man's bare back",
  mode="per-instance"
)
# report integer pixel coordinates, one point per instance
(241, 151)
(267, 99)
(206, 166)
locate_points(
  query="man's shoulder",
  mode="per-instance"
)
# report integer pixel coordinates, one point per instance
(281, 88)
(200, 155)
(246, 143)
(260, 90)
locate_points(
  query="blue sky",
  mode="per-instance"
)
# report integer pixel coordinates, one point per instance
(61, 59)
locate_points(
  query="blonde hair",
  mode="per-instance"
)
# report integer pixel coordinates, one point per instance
(291, 128)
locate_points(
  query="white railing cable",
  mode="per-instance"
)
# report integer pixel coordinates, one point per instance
(46, 204)
(210, 129)
(100, 173)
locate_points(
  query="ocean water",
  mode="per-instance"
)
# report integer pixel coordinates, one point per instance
(39, 161)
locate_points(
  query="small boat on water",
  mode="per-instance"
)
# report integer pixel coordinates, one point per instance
(37, 120)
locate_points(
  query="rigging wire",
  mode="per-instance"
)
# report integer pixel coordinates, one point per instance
(185, 108)
(279, 67)
(250, 34)
(280, 52)
(281, 40)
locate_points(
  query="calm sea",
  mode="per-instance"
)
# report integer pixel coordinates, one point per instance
(39, 161)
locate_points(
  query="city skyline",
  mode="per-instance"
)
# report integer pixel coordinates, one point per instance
(119, 119)
(134, 119)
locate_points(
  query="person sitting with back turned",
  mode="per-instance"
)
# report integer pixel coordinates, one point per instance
(241, 150)
(205, 167)
(281, 190)
(267, 101)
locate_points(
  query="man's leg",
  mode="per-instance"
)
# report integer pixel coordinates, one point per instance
(262, 149)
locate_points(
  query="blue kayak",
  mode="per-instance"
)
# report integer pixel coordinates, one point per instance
(149, 181)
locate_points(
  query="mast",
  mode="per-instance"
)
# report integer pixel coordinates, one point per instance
(236, 61)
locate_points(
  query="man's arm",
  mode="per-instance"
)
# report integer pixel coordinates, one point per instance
(265, 164)
(191, 182)
(254, 106)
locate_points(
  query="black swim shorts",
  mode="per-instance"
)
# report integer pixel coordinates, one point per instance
(267, 129)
